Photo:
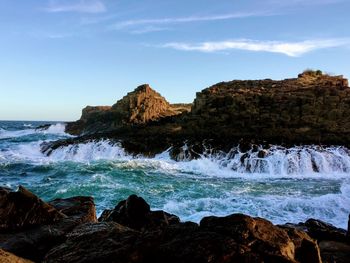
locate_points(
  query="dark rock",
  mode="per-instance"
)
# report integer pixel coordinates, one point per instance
(310, 109)
(335, 252)
(23, 209)
(320, 230)
(6, 257)
(135, 213)
(80, 208)
(97, 242)
(34, 241)
(236, 238)
(265, 239)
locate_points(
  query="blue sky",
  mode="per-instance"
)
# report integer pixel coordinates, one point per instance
(56, 56)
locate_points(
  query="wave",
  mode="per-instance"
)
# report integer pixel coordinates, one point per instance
(91, 151)
(57, 129)
(332, 207)
(277, 161)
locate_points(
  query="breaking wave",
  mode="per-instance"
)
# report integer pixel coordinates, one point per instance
(57, 129)
(277, 161)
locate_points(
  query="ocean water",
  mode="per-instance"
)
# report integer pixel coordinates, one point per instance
(288, 185)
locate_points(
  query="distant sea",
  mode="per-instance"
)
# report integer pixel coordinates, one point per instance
(289, 185)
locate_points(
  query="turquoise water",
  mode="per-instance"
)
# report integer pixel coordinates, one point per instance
(289, 185)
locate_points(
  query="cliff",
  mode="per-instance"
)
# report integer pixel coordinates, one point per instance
(310, 109)
(141, 106)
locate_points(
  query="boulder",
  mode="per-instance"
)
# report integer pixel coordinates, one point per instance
(81, 208)
(22, 209)
(35, 240)
(334, 251)
(264, 240)
(131, 232)
(320, 230)
(135, 213)
(236, 238)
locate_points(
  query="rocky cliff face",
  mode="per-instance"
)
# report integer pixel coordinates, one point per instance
(313, 107)
(141, 106)
(310, 109)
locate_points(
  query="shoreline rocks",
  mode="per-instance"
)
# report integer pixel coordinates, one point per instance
(132, 232)
(310, 109)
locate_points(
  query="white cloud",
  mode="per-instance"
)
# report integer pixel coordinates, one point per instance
(80, 6)
(292, 49)
(178, 20)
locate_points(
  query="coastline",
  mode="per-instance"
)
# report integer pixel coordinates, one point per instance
(67, 230)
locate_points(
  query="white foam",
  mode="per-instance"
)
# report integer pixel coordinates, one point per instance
(332, 208)
(58, 129)
(88, 152)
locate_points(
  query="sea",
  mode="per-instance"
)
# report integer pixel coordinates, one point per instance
(288, 185)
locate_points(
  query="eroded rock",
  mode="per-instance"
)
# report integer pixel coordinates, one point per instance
(135, 213)
(23, 209)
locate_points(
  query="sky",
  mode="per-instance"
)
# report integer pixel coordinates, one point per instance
(57, 56)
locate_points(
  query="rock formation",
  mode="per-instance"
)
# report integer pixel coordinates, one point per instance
(132, 232)
(311, 109)
(141, 106)
(23, 209)
(30, 227)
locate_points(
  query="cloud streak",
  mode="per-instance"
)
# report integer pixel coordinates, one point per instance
(188, 19)
(81, 6)
(292, 49)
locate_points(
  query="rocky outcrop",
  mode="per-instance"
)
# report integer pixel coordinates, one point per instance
(237, 238)
(135, 213)
(141, 106)
(23, 209)
(310, 109)
(34, 240)
(132, 232)
(333, 243)
(313, 108)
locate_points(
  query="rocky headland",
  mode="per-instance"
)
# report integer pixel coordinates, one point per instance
(67, 230)
(310, 109)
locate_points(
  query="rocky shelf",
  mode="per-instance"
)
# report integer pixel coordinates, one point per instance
(310, 109)
(67, 230)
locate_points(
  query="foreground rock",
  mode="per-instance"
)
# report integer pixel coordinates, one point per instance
(310, 109)
(135, 213)
(236, 238)
(132, 232)
(333, 242)
(22, 209)
(46, 229)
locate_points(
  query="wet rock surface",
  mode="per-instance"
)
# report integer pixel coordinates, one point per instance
(23, 209)
(132, 232)
(135, 213)
(33, 241)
